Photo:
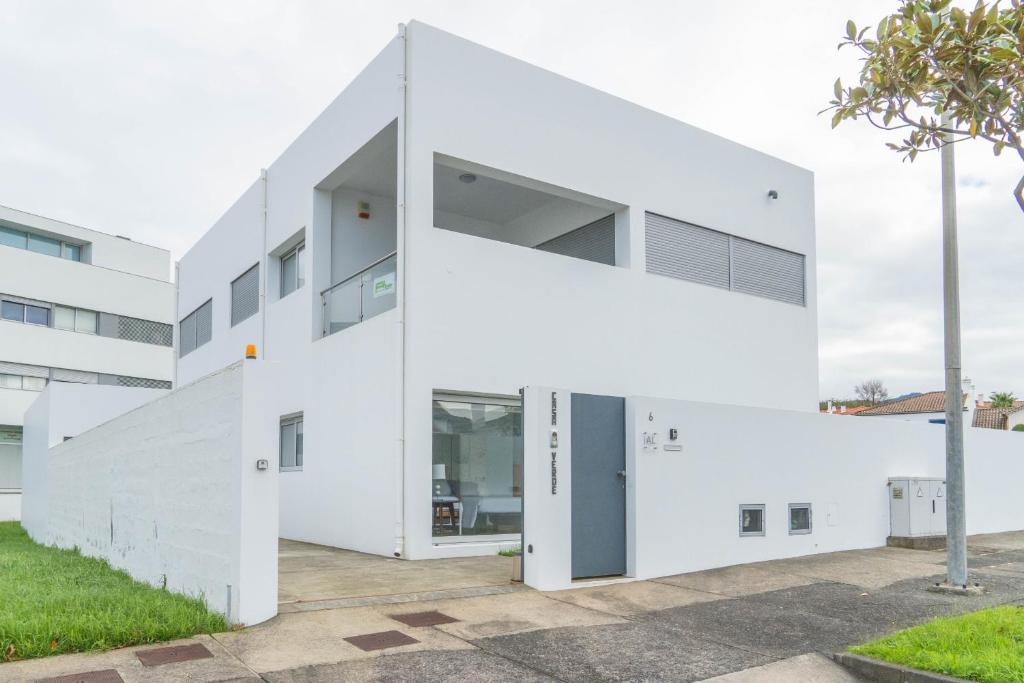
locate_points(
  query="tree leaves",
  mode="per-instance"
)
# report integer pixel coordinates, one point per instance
(930, 59)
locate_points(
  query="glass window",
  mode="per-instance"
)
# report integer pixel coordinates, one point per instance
(12, 311)
(13, 238)
(477, 471)
(64, 318)
(85, 321)
(799, 518)
(291, 444)
(72, 252)
(292, 269)
(44, 245)
(10, 381)
(37, 315)
(751, 520)
(33, 383)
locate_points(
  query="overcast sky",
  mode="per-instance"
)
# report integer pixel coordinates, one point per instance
(148, 119)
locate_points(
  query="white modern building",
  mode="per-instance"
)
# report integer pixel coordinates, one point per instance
(80, 306)
(490, 306)
(459, 224)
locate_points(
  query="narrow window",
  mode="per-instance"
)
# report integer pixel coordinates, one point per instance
(290, 450)
(85, 321)
(13, 238)
(10, 381)
(33, 383)
(245, 295)
(195, 329)
(10, 310)
(43, 245)
(799, 518)
(751, 520)
(37, 315)
(72, 252)
(292, 270)
(64, 318)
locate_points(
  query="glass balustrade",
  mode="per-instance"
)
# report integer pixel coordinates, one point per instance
(361, 296)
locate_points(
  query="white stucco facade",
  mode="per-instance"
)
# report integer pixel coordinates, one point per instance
(485, 316)
(78, 306)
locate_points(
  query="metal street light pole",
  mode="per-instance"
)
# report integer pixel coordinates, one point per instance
(956, 521)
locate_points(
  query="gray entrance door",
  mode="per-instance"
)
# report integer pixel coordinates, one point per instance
(598, 485)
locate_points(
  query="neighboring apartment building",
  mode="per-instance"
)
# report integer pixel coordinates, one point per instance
(422, 252)
(76, 305)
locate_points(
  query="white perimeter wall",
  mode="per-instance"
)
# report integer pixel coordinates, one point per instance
(683, 506)
(170, 491)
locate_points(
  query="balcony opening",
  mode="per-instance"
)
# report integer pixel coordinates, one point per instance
(363, 234)
(484, 202)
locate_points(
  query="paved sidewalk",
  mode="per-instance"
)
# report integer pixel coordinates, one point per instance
(772, 621)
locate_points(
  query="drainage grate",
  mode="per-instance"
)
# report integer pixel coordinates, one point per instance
(102, 676)
(432, 618)
(175, 653)
(382, 640)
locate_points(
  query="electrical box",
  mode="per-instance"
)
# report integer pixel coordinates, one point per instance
(917, 507)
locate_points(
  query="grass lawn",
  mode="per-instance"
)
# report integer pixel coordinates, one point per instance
(56, 601)
(982, 646)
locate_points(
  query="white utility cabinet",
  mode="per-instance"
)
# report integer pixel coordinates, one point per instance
(917, 507)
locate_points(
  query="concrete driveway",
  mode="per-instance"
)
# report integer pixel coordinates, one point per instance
(772, 621)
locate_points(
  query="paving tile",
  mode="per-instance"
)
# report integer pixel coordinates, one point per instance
(311, 638)
(629, 651)
(771, 629)
(634, 597)
(173, 654)
(867, 571)
(738, 580)
(436, 667)
(810, 667)
(101, 676)
(495, 615)
(420, 619)
(381, 640)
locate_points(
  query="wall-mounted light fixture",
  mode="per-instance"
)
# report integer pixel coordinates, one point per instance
(468, 178)
(773, 194)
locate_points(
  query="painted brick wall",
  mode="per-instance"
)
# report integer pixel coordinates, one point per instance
(157, 491)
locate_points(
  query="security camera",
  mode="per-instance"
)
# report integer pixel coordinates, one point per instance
(773, 194)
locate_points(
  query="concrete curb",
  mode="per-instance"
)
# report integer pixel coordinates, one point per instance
(885, 672)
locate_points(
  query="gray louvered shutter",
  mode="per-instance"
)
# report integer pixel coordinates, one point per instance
(768, 271)
(593, 242)
(245, 295)
(75, 376)
(686, 251)
(187, 335)
(204, 323)
(23, 370)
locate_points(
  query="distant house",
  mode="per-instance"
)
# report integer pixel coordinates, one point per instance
(988, 417)
(844, 410)
(927, 407)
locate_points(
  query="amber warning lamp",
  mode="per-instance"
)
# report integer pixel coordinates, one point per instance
(250, 351)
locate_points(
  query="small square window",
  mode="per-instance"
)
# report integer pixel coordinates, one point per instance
(64, 318)
(751, 520)
(799, 518)
(33, 383)
(10, 381)
(72, 252)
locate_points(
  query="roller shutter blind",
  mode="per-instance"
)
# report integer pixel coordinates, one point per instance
(76, 376)
(10, 466)
(767, 271)
(245, 295)
(204, 323)
(593, 242)
(689, 252)
(23, 370)
(686, 251)
(187, 335)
